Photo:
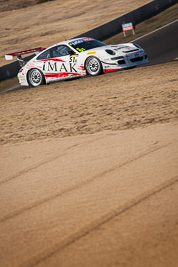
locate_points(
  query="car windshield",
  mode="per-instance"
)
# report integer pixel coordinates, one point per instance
(86, 44)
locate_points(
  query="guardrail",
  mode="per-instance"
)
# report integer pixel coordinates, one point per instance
(106, 30)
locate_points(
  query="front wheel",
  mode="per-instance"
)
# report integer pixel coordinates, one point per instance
(93, 66)
(35, 77)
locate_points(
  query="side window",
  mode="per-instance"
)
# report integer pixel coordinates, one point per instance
(45, 55)
(60, 50)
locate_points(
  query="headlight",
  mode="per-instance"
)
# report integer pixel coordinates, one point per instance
(110, 52)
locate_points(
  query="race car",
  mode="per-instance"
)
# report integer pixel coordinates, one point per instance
(74, 58)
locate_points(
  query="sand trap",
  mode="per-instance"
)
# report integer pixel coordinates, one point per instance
(106, 199)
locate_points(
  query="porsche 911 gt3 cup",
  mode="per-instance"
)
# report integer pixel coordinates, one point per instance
(74, 58)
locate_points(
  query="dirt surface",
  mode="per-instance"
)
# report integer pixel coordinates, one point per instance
(46, 24)
(88, 167)
(114, 101)
(106, 199)
(8, 5)
(97, 186)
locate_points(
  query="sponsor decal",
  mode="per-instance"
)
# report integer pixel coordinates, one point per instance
(76, 42)
(72, 68)
(91, 53)
(80, 49)
(127, 26)
(73, 59)
(79, 41)
(50, 66)
(88, 39)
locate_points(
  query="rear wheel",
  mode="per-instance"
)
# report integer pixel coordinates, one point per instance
(35, 77)
(93, 66)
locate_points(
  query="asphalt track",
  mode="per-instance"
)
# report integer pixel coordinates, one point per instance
(161, 45)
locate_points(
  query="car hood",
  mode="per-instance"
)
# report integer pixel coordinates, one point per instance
(118, 49)
(128, 47)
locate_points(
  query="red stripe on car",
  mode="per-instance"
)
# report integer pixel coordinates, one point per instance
(108, 70)
(53, 59)
(59, 75)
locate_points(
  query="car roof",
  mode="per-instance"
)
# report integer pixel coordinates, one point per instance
(72, 40)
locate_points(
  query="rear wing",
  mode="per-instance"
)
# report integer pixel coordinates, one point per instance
(19, 54)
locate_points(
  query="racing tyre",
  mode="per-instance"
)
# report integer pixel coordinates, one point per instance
(35, 77)
(93, 66)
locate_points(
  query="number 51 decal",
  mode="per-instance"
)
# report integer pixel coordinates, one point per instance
(73, 59)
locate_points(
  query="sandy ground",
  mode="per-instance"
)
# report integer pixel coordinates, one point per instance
(114, 101)
(89, 171)
(89, 167)
(106, 199)
(43, 24)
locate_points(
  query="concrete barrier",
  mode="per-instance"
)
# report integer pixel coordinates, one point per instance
(106, 30)
(9, 70)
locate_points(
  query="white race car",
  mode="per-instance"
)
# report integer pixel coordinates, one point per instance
(74, 58)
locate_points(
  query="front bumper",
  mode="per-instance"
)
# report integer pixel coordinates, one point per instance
(126, 60)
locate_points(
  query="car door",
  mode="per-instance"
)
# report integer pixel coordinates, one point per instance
(62, 64)
(59, 62)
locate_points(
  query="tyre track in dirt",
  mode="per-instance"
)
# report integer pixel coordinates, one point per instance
(81, 184)
(43, 216)
(100, 222)
(35, 166)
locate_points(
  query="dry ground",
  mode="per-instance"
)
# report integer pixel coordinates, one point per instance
(43, 24)
(113, 101)
(89, 167)
(106, 199)
(7, 5)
